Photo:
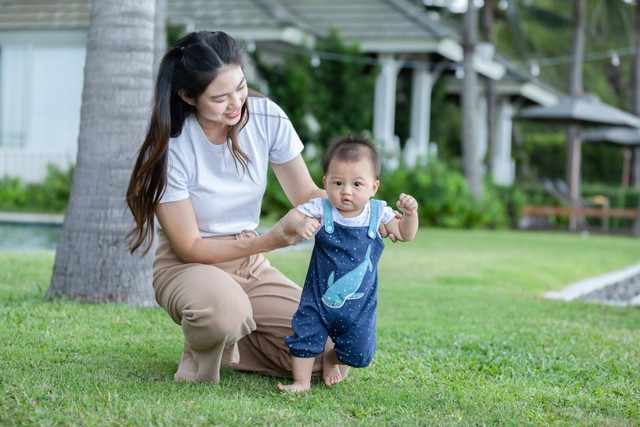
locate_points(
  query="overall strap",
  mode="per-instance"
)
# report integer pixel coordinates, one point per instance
(327, 216)
(374, 219)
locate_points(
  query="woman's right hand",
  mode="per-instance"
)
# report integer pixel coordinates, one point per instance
(286, 232)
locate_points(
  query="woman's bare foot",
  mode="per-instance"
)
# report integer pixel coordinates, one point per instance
(332, 372)
(296, 387)
(187, 368)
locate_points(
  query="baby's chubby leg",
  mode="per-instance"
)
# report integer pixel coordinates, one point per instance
(333, 370)
(302, 368)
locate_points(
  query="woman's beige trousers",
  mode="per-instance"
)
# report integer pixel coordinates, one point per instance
(235, 313)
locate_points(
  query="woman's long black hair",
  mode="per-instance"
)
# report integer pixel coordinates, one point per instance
(189, 66)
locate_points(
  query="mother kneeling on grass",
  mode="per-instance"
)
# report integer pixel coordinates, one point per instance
(202, 172)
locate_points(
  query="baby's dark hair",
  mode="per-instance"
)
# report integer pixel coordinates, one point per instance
(351, 148)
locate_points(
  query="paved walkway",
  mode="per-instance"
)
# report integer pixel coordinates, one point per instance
(621, 287)
(30, 218)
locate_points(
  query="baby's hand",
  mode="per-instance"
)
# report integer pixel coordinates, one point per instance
(407, 204)
(307, 227)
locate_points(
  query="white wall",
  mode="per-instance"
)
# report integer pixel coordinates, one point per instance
(40, 101)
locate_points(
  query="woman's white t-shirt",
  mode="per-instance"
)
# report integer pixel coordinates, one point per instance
(227, 199)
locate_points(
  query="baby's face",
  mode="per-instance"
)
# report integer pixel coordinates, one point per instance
(350, 185)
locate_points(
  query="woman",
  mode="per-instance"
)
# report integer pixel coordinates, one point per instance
(202, 172)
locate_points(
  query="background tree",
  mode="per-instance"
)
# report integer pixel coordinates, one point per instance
(92, 263)
(333, 84)
(289, 85)
(342, 94)
(486, 26)
(469, 102)
(576, 89)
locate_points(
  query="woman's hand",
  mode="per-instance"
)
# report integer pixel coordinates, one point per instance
(292, 229)
(382, 229)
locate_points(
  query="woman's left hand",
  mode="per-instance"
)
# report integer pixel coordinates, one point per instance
(382, 229)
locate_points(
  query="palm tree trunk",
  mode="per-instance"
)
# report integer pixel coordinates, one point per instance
(469, 101)
(160, 34)
(92, 263)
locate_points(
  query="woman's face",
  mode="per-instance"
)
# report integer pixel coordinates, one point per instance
(221, 103)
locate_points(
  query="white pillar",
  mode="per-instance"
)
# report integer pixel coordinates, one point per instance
(417, 148)
(503, 166)
(384, 109)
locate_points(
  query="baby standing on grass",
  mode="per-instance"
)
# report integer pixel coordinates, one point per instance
(339, 297)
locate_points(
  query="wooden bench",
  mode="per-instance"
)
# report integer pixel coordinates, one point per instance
(587, 212)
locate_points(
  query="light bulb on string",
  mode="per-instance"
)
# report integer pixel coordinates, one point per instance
(615, 59)
(535, 69)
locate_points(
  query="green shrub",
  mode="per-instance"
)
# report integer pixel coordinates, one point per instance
(13, 195)
(49, 196)
(546, 154)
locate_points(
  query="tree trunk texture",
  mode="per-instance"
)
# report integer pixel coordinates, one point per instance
(92, 263)
(469, 103)
(160, 34)
(576, 89)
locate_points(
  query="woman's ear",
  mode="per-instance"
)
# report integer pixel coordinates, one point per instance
(183, 95)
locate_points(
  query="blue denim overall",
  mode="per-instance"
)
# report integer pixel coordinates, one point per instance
(339, 297)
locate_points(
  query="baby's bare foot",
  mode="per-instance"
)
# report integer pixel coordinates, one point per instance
(296, 387)
(331, 373)
(187, 368)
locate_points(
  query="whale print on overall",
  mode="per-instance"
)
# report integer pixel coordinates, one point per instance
(345, 288)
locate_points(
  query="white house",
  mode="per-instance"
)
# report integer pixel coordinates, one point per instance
(42, 50)
(42, 53)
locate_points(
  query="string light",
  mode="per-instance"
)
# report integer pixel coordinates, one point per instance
(535, 69)
(588, 57)
(535, 66)
(615, 59)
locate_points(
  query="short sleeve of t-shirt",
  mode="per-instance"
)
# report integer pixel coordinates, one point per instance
(313, 208)
(177, 178)
(284, 142)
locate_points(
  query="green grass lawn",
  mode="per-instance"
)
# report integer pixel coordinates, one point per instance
(465, 337)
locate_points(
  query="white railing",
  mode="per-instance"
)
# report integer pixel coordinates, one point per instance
(30, 165)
